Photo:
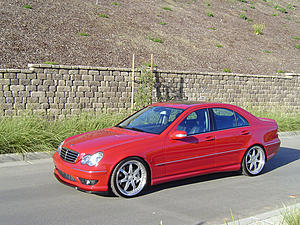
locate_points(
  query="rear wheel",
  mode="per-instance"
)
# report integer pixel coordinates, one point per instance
(254, 161)
(129, 178)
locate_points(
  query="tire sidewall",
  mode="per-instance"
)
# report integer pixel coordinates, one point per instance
(245, 170)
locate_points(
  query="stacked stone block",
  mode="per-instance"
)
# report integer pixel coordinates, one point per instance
(65, 90)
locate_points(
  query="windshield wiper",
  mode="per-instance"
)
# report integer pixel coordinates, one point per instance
(134, 128)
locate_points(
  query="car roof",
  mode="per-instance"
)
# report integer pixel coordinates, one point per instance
(187, 104)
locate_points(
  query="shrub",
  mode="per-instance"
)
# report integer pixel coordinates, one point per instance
(258, 28)
(103, 15)
(27, 7)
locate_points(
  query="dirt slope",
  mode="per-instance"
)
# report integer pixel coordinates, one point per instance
(196, 35)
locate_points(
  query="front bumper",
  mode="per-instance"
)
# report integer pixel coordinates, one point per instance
(94, 180)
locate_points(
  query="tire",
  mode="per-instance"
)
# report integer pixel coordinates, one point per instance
(254, 161)
(129, 178)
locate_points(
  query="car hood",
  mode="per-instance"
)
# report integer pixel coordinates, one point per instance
(105, 139)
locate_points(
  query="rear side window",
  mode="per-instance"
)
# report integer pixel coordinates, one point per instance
(241, 121)
(224, 118)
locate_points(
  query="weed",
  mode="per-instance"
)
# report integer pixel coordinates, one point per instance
(252, 7)
(243, 16)
(103, 15)
(167, 8)
(258, 28)
(291, 216)
(27, 7)
(244, 1)
(250, 20)
(290, 6)
(280, 9)
(208, 4)
(265, 51)
(219, 46)
(158, 40)
(50, 63)
(280, 71)
(288, 17)
(298, 47)
(116, 3)
(274, 14)
(163, 23)
(210, 14)
(227, 70)
(212, 28)
(243, 9)
(295, 37)
(83, 34)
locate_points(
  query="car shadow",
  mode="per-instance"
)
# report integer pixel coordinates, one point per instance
(284, 157)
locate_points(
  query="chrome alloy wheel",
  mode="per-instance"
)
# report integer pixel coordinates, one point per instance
(255, 160)
(131, 178)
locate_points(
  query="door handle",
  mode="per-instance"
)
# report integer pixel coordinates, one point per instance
(210, 138)
(245, 132)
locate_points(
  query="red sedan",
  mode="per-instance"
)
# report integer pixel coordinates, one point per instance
(165, 142)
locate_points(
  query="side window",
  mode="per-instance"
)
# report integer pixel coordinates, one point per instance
(241, 121)
(224, 118)
(195, 123)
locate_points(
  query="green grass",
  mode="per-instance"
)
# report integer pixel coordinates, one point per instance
(295, 37)
(291, 216)
(298, 47)
(210, 14)
(157, 40)
(50, 63)
(280, 8)
(227, 70)
(116, 3)
(31, 132)
(244, 1)
(167, 8)
(280, 71)
(212, 28)
(258, 28)
(219, 46)
(83, 34)
(243, 16)
(265, 51)
(103, 15)
(27, 7)
(208, 4)
(285, 120)
(274, 14)
(252, 7)
(163, 23)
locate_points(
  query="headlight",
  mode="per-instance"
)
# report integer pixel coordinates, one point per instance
(92, 160)
(59, 147)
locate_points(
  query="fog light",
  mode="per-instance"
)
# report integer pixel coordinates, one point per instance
(87, 181)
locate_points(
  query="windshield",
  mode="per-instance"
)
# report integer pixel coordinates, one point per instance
(153, 119)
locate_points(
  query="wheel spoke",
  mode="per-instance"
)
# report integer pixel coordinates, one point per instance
(124, 172)
(123, 180)
(127, 185)
(130, 168)
(133, 185)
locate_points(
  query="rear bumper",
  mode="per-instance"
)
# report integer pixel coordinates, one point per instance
(272, 148)
(74, 176)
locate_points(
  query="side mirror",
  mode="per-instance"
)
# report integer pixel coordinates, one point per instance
(179, 134)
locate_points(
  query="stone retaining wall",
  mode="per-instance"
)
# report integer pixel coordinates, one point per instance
(65, 90)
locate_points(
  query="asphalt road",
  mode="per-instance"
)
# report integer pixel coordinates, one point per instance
(30, 194)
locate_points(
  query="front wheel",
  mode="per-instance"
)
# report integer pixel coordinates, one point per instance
(129, 178)
(254, 161)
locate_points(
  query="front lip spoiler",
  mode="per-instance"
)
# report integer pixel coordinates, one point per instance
(79, 189)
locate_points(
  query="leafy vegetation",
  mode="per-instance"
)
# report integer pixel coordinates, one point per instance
(103, 15)
(227, 70)
(295, 37)
(298, 47)
(243, 16)
(280, 71)
(50, 63)
(27, 7)
(280, 9)
(210, 14)
(291, 216)
(83, 34)
(158, 40)
(116, 3)
(244, 1)
(163, 23)
(167, 8)
(219, 46)
(31, 132)
(258, 28)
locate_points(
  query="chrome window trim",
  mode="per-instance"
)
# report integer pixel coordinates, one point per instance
(198, 157)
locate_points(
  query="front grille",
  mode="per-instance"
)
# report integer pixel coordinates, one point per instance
(68, 155)
(66, 176)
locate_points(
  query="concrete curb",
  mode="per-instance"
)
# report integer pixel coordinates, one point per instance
(269, 218)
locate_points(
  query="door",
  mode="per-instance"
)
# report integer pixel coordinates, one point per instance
(194, 152)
